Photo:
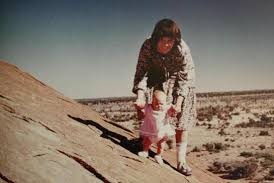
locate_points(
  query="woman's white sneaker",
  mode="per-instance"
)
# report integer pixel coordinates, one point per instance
(184, 169)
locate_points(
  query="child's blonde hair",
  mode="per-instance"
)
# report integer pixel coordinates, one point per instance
(158, 95)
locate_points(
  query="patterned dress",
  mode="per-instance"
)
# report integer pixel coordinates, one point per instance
(174, 73)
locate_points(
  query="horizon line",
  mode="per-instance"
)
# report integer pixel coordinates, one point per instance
(199, 94)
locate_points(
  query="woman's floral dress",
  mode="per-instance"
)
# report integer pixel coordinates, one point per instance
(174, 73)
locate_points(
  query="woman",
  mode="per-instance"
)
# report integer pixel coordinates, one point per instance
(165, 63)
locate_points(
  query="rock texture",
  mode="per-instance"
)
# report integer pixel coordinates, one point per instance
(47, 137)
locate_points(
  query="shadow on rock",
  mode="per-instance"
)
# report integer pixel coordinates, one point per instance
(133, 145)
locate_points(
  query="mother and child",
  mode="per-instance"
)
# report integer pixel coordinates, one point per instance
(164, 85)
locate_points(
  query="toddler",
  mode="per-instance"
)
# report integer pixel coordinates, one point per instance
(156, 127)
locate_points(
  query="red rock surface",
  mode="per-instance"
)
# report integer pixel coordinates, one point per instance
(47, 137)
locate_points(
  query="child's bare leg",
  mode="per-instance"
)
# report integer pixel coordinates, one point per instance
(161, 146)
(160, 149)
(146, 145)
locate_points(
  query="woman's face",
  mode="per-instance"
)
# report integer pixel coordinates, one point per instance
(165, 44)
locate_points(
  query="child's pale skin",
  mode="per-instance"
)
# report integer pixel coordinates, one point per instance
(158, 102)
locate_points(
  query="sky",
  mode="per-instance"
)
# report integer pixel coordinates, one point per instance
(89, 49)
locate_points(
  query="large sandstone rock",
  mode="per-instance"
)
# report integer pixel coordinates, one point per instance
(47, 137)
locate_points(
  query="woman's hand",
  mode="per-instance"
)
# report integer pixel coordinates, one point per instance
(177, 108)
(139, 104)
(140, 101)
(174, 110)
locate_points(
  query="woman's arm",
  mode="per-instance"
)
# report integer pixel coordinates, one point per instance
(142, 67)
(185, 77)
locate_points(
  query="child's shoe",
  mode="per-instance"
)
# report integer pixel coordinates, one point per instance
(158, 159)
(143, 154)
(184, 169)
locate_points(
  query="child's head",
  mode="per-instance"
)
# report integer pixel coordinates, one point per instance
(158, 100)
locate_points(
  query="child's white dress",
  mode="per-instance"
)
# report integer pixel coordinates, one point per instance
(156, 124)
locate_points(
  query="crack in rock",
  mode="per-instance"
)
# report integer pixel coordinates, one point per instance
(39, 155)
(24, 118)
(28, 119)
(86, 166)
(46, 127)
(5, 178)
(8, 108)
(2, 96)
(132, 158)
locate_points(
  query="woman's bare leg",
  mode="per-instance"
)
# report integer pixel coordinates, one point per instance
(181, 145)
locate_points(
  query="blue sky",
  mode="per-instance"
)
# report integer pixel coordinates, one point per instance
(87, 49)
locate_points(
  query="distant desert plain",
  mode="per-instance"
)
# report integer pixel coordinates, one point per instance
(233, 138)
